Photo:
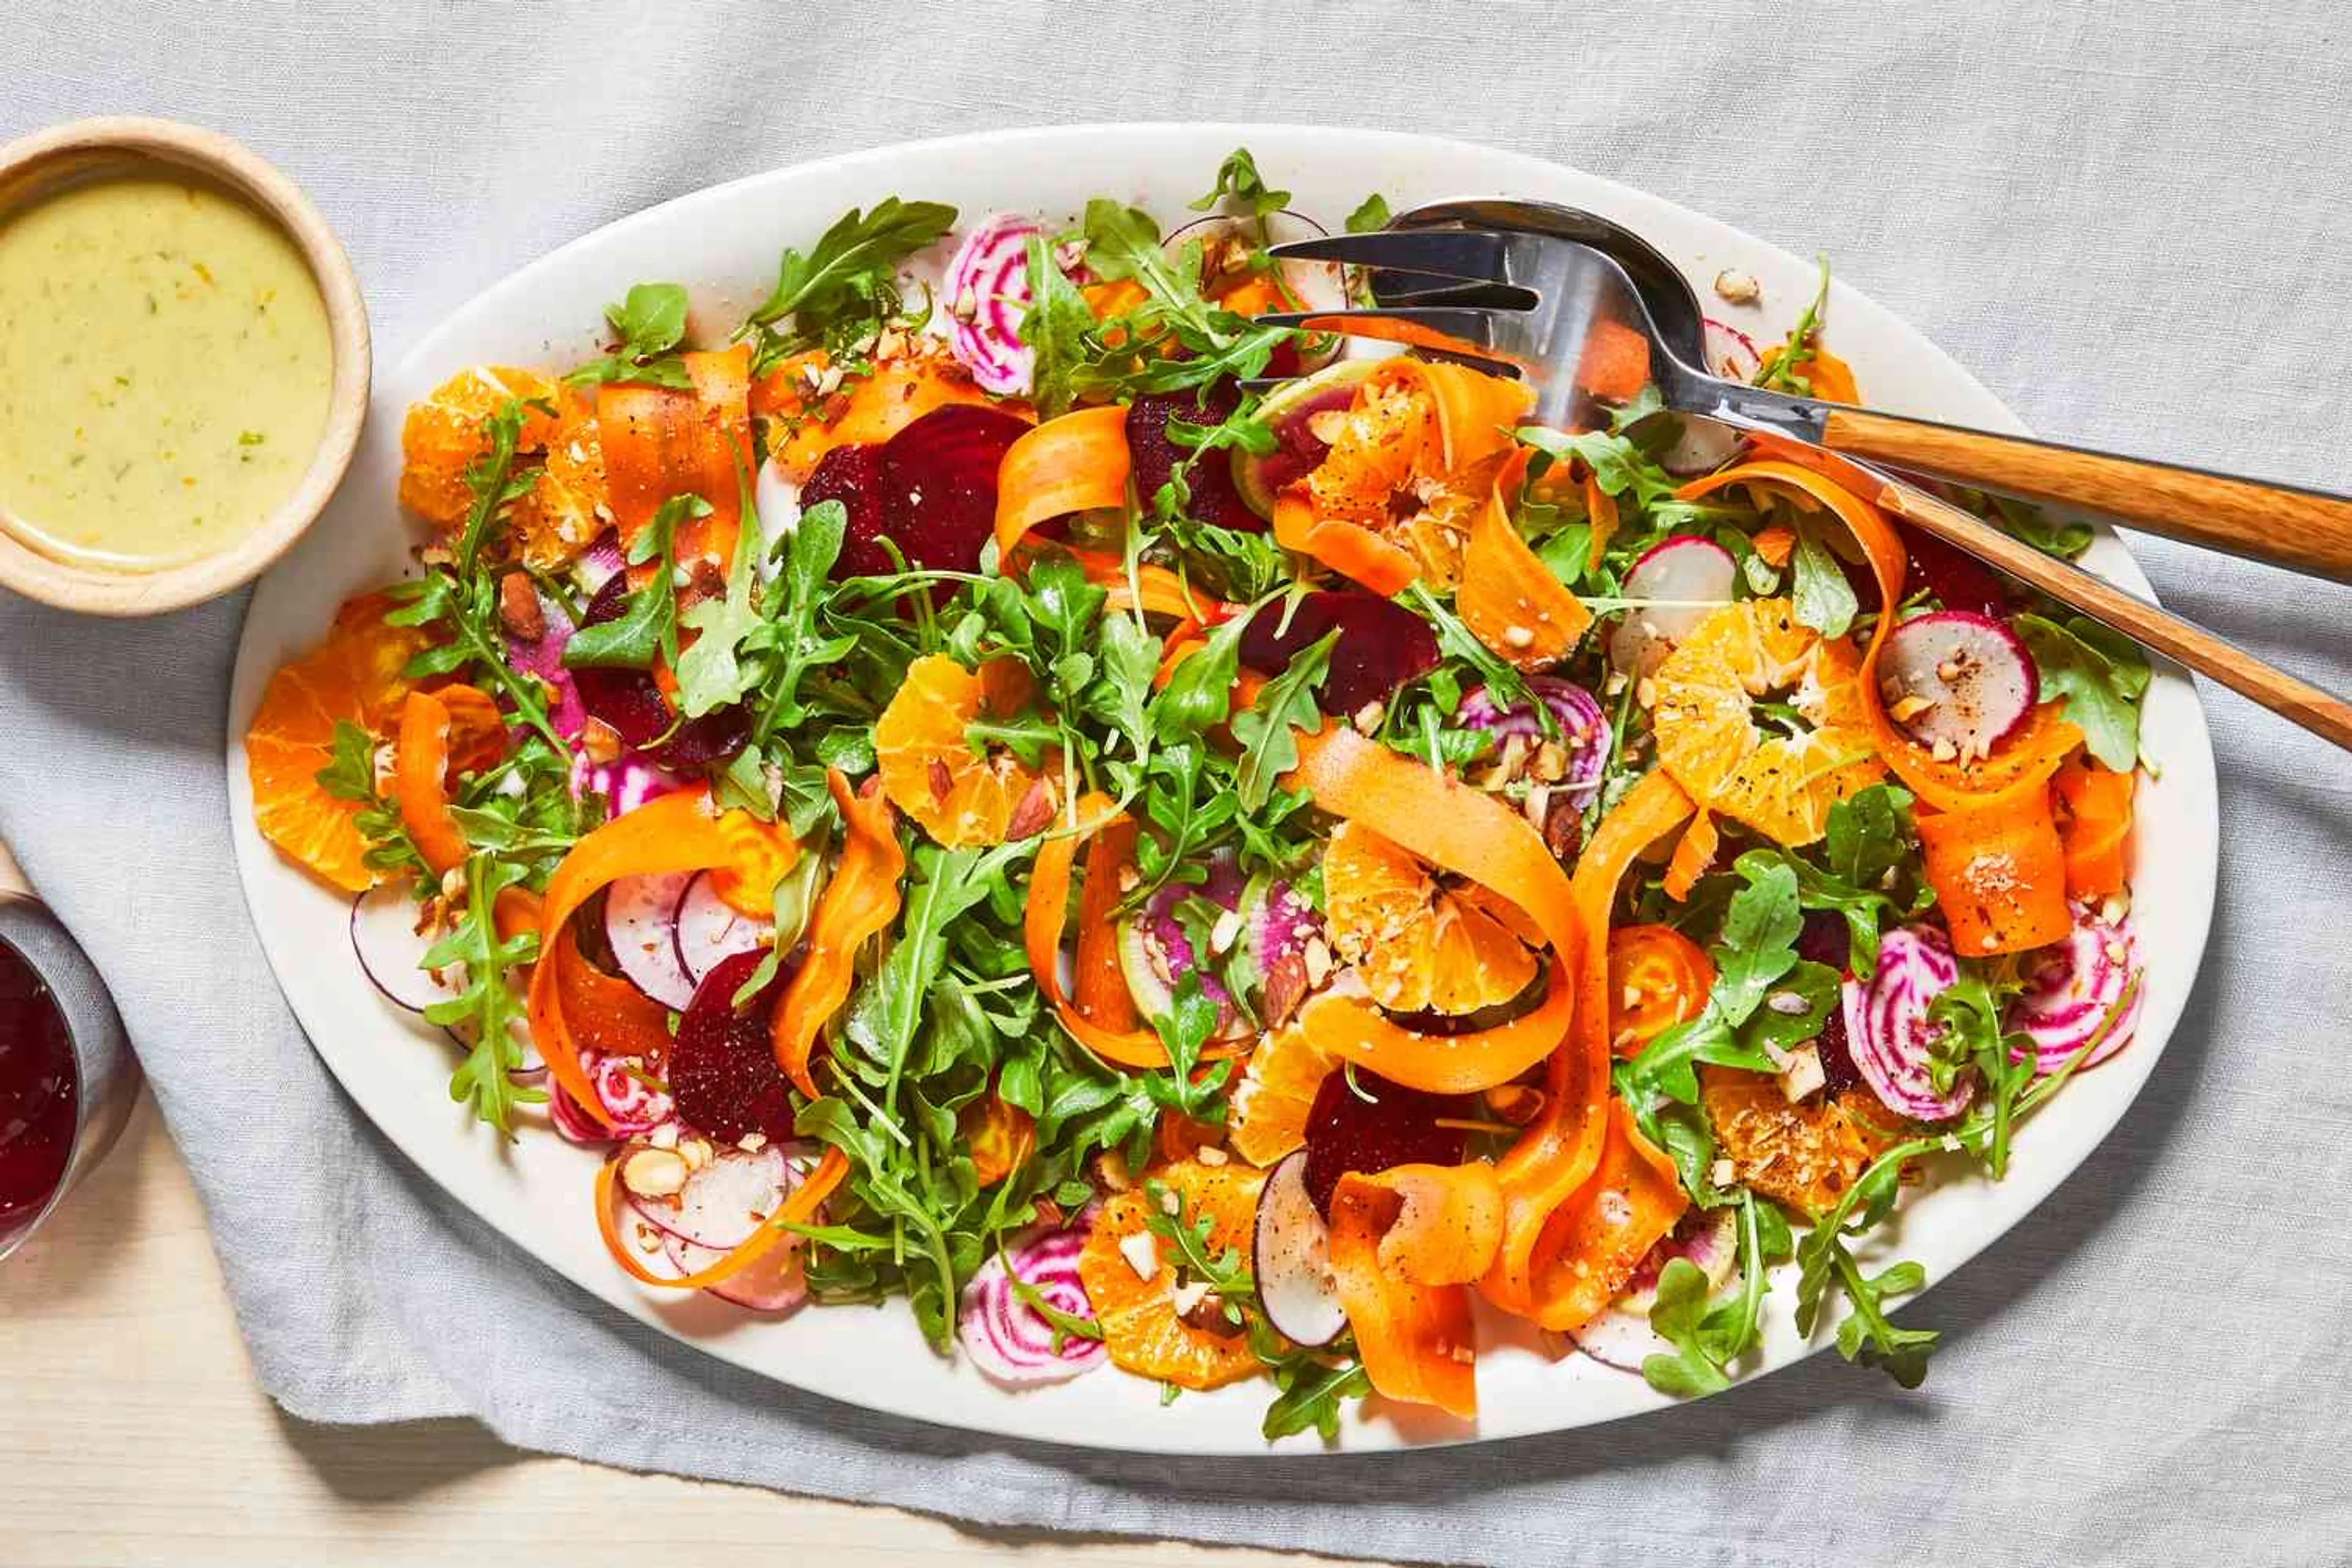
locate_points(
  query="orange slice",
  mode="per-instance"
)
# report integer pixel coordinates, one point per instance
(1137, 1307)
(443, 436)
(1416, 942)
(1709, 740)
(931, 772)
(1267, 1117)
(1805, 1155)
(563, 512)
(353, 676)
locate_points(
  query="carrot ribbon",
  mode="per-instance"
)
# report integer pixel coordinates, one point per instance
(1344, 1023)
(1405, 1245)
(1078, 462)
(2095, 827)
(663, 441)
(1999, 873)
(796, 1208)
(420, 763)
(1509, 597)
(860, 899)
(1591, 1243)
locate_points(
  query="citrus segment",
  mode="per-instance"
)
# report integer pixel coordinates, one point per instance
(1418, 943)
(1271, 1101)
(1806, 1154)
(443, 435)
(1134, 1284)
(931, 769)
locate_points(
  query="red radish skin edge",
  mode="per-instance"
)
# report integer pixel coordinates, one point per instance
(1290, 1254)
(1693, 575)
(707, 929)
(1971, 679)
(1008, 1341)
(1886, 1025)
(391, 950)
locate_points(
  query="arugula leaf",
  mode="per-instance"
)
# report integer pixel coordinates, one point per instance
(2101, 676)
(1184, 1029)
(1621, 466)
(1821, 597)
(1238, 182)
(1676, 1315)
(1371, 213)
(1267, 730)
(492, 478)
(1199, 695)
(349, 774)
(1120, 694)
(722, 665)
(488, 1007)
(648, 627)
(1760, 927)
(1870, 876)
(1779, 366)
(850, 273)
(649, 322)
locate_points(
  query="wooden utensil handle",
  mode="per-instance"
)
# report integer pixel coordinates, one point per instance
(2321, 712)
(2304, 530)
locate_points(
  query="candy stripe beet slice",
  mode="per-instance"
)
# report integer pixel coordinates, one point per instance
(1215, 500)
(1374, 1125)
(723, 1070)
(1381, 646)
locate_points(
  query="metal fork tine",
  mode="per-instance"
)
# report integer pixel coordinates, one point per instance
(1468, 255)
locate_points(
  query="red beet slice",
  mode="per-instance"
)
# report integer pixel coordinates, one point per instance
(852, 476)
(1823, 940)
(1398, 1126)
(723, 1070)
(939, 483)
(625, 700)
(1381, 646)
(1958, 578)
(1215, 500)
(1299, 451)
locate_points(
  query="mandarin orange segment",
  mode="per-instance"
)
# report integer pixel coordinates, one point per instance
(443, 435)
(353, 676)
(1383, 472)
(1137, 1305)
(564, 510)
(1711, 743)
(1274, 1095)
(1806, 1154)
(1418, 943)
(962, 797)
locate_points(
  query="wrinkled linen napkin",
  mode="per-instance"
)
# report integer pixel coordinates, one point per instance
(2136, 228)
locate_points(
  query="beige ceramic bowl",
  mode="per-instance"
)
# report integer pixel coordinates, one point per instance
(36, 165)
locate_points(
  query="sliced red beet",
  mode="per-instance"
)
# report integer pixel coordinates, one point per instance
(1397, 1126)
(1955, 578)
(939, 483)
(1381, 645)
(852, 476)
(1215, 500)
(723, 1070)
(1299, 451)
(1823, 940)
(629, 701)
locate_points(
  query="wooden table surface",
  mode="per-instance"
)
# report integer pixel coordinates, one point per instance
(131, 1432)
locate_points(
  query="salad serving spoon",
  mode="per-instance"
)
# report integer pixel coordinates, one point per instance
(1535, 303)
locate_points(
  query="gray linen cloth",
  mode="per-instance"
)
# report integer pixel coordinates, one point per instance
(2134, 222)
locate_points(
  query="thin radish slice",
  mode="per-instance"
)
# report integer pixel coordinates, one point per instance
(626, 782)
(1887, 1025)
(1958, 680)
(1685, 576)
(1291, 1255)
(708, 930)
(1622, 1336)
(986, 291)
(2075, 988)
(641, 925)
(392, 950)
(723, 1203)
(1730, 353)
(775, 1282)
(1010, 1341)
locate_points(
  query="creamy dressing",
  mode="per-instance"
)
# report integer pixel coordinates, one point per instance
(164, 372)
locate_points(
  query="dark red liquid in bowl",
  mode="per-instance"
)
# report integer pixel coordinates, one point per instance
(38, 1091)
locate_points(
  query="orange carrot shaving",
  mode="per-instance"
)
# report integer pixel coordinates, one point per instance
(2095, 825)
(660, 442)
(1507, 598)
(1601, 515)
(1999, 873)
(420, 763)
(675, 833)
(1344, 1023)
(478, 730)
(606, 1013)
(1077, 463)
(1101, 987)
(1658, 978)
(1560, 1149)
(1593, 1242)
(802, 1203)
(1616, 363)
(1693, 855)
(1775, 544)
(872, 408)
(1405, 1245)
(1831, 376)
(860, 899)
(1350, 549)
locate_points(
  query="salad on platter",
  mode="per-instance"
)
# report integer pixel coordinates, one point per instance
(1210, 848)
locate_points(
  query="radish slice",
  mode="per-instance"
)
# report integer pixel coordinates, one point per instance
(777, 500)
(1010, 1341)
(723, 1203)
(392, 950)
(1291, 412)
(986, 291)
(775, 1282)
(1155, 951)
(635, 1105)
(2073, 988)
(1887, 1025)
(1957, 678)
(1291, 1255)
(1584, 731)
(1688, 576)
(641, 925)
(1277, 922)
(1730, 353)
(707, 929)
(1622, 1336)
